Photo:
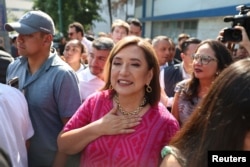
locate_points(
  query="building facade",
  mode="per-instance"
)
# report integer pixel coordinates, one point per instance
(119, 11)
(199, 18)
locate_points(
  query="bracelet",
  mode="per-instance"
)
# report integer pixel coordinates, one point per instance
(175, 152)
(167, 150)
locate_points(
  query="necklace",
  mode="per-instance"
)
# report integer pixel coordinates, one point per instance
(135, 112)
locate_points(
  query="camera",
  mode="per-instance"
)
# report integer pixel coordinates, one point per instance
(242, 19)
(232, 35)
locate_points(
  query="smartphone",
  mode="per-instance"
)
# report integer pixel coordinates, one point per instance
(14, 82)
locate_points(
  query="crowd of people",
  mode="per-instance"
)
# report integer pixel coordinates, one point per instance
(120, 99)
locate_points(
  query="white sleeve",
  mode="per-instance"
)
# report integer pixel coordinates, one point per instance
(162, 84)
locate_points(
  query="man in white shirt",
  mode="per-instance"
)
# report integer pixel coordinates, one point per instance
(15, 125)
(91, 79)
(163, 49)
(76, 31)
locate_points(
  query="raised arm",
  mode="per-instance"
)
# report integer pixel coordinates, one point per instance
(245, 39)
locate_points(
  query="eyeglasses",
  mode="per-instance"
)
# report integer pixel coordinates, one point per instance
(203, 59)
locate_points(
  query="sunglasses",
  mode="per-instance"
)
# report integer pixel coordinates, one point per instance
(70, 33)
(203, 59)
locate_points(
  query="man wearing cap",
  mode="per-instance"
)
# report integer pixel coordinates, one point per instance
(48, 83)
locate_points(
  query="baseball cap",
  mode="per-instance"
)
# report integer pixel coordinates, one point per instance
(31, 22)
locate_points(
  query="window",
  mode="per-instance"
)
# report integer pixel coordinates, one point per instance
(173, 28)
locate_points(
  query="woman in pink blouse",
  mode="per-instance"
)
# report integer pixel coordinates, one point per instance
(124, 124)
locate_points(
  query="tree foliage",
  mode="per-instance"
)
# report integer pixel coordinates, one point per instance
(83, 11)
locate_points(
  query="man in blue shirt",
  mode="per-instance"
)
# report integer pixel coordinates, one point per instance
(48, 83)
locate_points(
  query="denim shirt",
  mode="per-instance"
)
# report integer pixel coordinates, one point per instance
(52, 93)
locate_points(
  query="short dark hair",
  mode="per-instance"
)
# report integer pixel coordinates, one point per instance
(135, 22)
(103, 43)
(187, 42)
(78, 26)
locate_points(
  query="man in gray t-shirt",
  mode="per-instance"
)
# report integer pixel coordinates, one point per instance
(48, 83)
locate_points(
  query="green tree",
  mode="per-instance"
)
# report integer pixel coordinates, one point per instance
(83, 11)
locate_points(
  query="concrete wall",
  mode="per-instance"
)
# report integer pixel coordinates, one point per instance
(210, 27)
(163, 7)
(163, 11)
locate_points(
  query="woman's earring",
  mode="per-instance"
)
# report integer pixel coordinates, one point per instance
(217, 73)
(148, 89)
